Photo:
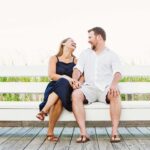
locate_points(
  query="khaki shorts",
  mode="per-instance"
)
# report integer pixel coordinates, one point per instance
(93, 94)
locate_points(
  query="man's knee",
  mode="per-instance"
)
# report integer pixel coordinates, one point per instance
(114, 99)
(77, 95)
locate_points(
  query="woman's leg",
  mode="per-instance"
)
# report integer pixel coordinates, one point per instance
(52, 99)
(54, 115)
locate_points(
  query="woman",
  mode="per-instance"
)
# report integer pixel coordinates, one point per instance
(58, 91)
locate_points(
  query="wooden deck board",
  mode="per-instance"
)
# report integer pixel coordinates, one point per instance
(117, 146)
(38, 140)
(47, 145)
(146, 141)
(73, 144)
(27, 138)
(3, 130)
(103, 139)
(8, 134)
(93, 143)
(65, 139)
(128, 138)
(14, 139)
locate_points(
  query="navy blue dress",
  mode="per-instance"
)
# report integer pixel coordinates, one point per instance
(61, 87)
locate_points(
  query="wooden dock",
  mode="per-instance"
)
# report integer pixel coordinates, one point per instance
(33, 138)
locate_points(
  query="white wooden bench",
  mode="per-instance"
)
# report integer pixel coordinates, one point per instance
(26, 111)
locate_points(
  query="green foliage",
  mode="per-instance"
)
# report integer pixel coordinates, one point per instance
(136, 79)
(24, 79)
(9, 97)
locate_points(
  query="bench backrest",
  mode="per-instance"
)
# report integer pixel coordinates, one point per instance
(41, 71)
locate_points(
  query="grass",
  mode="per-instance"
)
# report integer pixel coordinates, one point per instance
(135, 79)
(45, 79)
(24, 79)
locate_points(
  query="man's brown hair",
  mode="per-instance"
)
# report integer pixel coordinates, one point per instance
(99, 31)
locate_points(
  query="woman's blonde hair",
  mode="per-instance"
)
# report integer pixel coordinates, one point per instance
(60, 50)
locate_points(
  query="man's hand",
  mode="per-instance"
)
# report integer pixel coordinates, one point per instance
(113, 91)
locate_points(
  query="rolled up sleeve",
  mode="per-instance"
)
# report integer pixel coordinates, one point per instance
(116, 65)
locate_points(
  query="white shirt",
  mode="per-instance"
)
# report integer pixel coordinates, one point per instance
(98, 69)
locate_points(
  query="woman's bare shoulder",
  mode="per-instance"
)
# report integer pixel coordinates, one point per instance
(53, 58)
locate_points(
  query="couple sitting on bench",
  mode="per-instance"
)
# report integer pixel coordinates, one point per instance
(94, 77)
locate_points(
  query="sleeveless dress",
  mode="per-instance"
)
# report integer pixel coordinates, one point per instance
(61, 87)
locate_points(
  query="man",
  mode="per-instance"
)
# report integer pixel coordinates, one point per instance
(102, 72)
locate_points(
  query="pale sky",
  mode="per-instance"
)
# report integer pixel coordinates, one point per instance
(31, 30)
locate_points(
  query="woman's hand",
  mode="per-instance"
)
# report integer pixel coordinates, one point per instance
(76, 84)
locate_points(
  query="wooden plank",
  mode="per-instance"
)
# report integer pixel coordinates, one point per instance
(93, 143)
(65, 139)
(135, 132)
(39, 87)
(8, 144)
(73, 144)
(117, 146)
(131, 110)
(129, 139)
(138, 70)
(3, 130)
(139, 136)
(145, 131)
(40, 70)
(8, 134)
(22, 87)
(38, 140)
(134, 138)
(48, 145)
(26, 139)
(22, 71)
(103, 139)
(134, 87)
(96, 105)
(145, 142)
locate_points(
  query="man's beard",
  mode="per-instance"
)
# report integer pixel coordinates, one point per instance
(93, 47)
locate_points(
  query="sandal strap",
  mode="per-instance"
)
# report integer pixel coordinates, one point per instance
(83, 139)
(41, 115)
(52, 137)
(115, 138)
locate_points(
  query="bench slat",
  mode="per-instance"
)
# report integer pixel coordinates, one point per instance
(22, 87)
(23, 71)
(39, 71)
(96, 105)
(39, 87)
(26, 111)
